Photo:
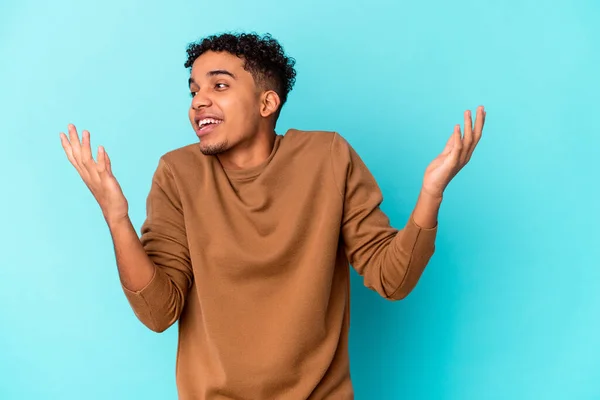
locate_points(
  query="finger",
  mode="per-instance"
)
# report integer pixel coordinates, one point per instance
(449, 145)
(457, 136)
(66, 145)
(107, 163)
(456, 151)
(479, 121)
(468, 137)
(90, 168)
(468, 123)
(75, 145)
(101, 162)
(86, 152)
(477, 136)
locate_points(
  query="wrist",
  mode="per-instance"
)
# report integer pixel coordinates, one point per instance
(435, 193)
(427, 209)
(431, 197)
(116, 223)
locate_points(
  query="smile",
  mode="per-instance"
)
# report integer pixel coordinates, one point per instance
(207, 125)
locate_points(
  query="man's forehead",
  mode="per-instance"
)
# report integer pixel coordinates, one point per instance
(211, 61)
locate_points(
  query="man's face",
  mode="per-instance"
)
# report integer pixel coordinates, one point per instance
(225, 107)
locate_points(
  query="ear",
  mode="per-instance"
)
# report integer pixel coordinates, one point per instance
(269, 103)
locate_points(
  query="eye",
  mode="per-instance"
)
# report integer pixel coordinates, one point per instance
(192, 94)
(221, 86)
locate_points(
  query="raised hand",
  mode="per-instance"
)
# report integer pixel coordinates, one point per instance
(97, 175)
(455, 155)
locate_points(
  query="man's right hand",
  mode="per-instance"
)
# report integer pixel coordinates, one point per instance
(97, 175)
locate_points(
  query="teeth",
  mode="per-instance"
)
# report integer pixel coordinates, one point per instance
(206, 121)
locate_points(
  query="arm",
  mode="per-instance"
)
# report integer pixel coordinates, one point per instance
(155, 270)
(390, 261)
(136, 270)
(425, 213)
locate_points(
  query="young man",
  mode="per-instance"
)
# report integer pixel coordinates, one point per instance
(249, 234)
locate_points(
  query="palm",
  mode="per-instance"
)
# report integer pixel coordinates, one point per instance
(97, 175)
(455, 155)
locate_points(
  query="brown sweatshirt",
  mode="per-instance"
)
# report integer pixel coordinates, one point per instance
(254, 264)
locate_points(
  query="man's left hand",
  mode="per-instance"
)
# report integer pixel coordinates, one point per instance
(455, 155)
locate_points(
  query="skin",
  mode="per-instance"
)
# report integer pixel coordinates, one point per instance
(440, 172)
(220, 87)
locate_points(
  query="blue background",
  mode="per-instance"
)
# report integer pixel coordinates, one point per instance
(508, 307)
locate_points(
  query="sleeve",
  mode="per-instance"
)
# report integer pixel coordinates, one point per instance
(390, 260)
(163, 237)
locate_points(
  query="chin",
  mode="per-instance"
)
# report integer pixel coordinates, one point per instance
(212, 149)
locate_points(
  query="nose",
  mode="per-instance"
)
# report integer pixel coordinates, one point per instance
(200, 100)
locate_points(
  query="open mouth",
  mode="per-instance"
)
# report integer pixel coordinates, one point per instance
(207, 124)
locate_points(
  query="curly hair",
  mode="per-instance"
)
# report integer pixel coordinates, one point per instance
(263, 57)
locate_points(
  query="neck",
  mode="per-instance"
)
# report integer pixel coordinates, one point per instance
(250, 153)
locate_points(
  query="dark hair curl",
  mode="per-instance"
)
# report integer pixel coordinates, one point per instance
(263, 57)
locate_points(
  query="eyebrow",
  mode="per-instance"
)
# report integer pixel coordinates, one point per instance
(215, 72)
